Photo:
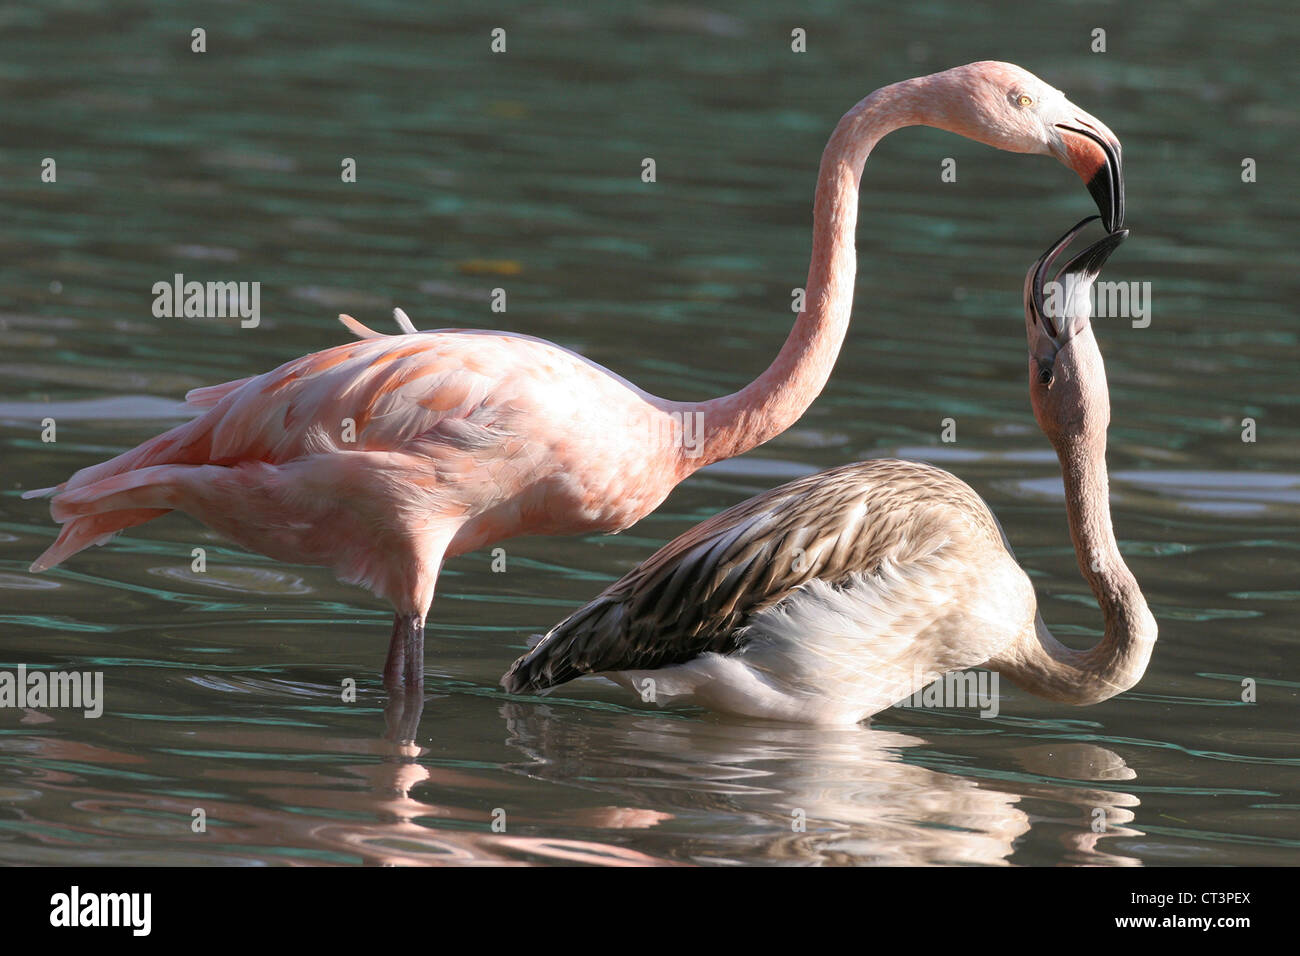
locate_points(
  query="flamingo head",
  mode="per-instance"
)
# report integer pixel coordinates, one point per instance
(1005, 106)
(1067, 380)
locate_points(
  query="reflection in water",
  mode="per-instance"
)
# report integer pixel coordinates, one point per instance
(623, 789)
(402, 712)
(1102, 813)
(814, 795)
(364, 810)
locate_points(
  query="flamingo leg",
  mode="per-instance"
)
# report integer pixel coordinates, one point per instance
(404, 667)
(412, 595)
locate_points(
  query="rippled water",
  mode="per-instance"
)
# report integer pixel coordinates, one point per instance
(522, 171)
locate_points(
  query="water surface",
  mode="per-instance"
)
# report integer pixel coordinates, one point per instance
(522, 171)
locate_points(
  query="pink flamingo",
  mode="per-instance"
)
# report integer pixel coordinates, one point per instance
(381, 458)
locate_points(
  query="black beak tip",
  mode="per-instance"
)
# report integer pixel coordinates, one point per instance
(1110, 203)
(1101, 251)
(1088, 263)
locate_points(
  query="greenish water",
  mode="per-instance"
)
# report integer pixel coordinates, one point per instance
(522, 171)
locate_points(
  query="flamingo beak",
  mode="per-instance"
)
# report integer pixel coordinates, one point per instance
(1093, 152)
(1056, 304)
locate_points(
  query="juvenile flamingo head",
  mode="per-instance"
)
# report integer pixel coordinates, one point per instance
(1005, 106)
(1067, 380)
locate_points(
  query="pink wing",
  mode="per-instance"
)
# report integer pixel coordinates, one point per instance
(383, 393)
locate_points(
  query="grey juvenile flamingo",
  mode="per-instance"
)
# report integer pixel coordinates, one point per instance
(837, 595)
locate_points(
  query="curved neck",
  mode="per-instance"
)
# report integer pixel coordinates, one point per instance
(774, 401)
(1042, 664)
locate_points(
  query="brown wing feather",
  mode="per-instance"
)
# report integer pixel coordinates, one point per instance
(695, 594)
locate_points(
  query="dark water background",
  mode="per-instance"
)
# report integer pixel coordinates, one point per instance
(522, 170)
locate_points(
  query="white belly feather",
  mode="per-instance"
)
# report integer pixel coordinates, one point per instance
(836, 655)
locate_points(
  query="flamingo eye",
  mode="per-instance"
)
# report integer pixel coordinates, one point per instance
(1024, 99)
(1044, 375)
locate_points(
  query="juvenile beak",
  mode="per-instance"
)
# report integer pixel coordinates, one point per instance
(1093, 152)
(1051, 327)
